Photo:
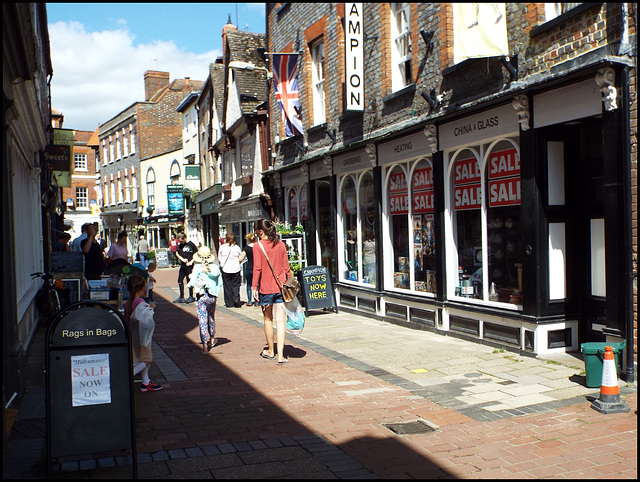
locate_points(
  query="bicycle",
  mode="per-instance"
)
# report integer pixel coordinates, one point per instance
(52, 297)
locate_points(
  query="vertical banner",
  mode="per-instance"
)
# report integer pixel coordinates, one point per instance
(285, 82)
(480, 30)
(354, 55)
(64, 137)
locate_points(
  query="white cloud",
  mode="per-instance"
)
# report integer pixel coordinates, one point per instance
(96, 75)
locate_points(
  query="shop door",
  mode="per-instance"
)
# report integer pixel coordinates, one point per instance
(584, 180)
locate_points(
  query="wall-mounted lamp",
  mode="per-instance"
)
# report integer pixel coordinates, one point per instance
(511, 64)
(301, 148)
(431, 98)
(428, 40)
(238, 64)
(331, 135)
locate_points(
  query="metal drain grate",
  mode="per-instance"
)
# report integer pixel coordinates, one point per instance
(411, 428)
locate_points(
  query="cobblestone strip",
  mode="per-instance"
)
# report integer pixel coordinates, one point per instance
(333, 458)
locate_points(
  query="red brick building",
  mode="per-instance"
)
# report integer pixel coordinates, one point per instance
(467, 168)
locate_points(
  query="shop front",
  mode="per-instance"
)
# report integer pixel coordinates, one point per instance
(238, 217)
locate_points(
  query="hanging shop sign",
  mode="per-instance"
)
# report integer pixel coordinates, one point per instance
(175, 198)
(192, 173)
(56, 158)
(354, 63)
(499, 122)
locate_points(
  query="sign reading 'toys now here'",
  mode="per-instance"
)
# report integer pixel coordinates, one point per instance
(317, 288)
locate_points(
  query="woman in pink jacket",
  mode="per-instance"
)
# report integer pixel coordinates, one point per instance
(265, 287)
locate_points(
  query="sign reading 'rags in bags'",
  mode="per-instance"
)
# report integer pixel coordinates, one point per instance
(317, 288)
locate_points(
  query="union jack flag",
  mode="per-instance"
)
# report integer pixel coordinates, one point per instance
(285, 81)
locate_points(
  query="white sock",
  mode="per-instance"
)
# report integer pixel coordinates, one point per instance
(143, 369)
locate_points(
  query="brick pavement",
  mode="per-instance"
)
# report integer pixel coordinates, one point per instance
(232, 414)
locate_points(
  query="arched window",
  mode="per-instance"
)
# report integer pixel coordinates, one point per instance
(151, 187)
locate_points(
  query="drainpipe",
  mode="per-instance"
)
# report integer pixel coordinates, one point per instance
(630, 274)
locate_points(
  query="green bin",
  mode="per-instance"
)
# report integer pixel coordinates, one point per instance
(594, 359)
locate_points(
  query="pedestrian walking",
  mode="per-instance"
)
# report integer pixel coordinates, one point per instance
(247, 254)
(184, 253)
(150, 282)
(266, 289)
(229, 258)
(93, 258)
(143, 251)
(206, 281)
(173, 247)
(134, 312)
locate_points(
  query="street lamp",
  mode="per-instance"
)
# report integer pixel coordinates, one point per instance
(238, 64)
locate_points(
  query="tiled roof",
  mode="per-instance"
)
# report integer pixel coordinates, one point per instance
(243, 46)
(252, 84)
(216, 71)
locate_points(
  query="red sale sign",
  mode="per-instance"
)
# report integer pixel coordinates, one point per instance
(423, 179)
(399, 204)
(504, 164)
(397, 182)
(423, 202)
(467, 197)
(504, 192)
(466, 171)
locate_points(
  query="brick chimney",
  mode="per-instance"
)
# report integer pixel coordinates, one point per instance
(153, 82)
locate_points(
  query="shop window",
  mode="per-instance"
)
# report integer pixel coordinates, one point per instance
(486, 186)
(349, 214)
(357, 216)
(367, 202)
(293, 207)
(411, 226)
(504, 262)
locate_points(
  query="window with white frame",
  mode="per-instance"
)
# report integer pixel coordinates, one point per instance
(112, 186)
(357, 227)
(112, 150)
(132, 139)
(484, 202)
(151, 187)
(120, 191)
(105, 153)
(118, 147)
(401, 45)
(317, 77)
(410, 210)
(553, 10)
(82, 198)
(125, 142)
(127, 188)
(79, 162)
(105, 191)
(134, 183)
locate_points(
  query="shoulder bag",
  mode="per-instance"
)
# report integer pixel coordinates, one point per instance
(290, 287)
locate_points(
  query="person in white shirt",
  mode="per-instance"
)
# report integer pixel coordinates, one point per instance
(229, 259)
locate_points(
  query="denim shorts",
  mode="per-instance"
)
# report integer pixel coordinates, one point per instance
(270, 299)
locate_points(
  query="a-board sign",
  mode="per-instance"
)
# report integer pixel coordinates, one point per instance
(317, 287)
(162, 259)
(89, 381)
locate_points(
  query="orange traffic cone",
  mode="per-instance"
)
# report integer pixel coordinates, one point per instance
(609, 400)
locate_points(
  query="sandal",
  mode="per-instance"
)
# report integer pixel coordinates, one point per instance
(204, 348)
(280, 363)
(264, 354)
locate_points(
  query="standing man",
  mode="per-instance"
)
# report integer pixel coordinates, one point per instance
(186, 250)
(93, 258)
(102, 242)
(76, 243)
(143, 251)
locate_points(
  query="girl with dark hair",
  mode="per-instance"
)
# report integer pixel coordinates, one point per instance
(134, 310)
(229, 259)
(265, 287)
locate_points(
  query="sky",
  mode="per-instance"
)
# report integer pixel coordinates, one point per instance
(100, 51)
